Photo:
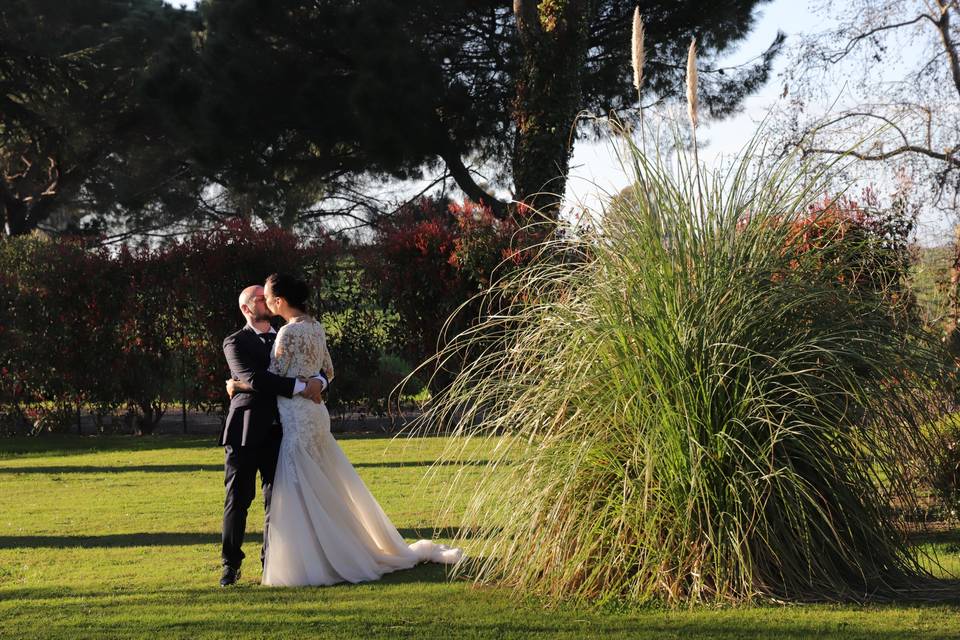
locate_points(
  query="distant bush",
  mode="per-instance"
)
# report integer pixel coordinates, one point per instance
(430, 259)
(945, 479)
(873, 243)
(134, 330)
(62, 307)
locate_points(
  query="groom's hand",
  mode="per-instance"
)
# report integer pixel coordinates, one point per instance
(314, 390)
(235, 386)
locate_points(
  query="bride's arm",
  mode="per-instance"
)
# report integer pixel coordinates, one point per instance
(326, 362)
(282, 357)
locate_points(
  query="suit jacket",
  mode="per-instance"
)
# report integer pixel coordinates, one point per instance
(253, 415)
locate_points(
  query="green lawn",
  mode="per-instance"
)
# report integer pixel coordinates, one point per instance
(118, 537)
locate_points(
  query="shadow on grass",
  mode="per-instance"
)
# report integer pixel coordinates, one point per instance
(61, 444)
(72, 444)
(430, 533)
(947, 536)
(422, 463)
(391, 608)
(159, 539)
(178, 539)
(193, 468)
(97, 469)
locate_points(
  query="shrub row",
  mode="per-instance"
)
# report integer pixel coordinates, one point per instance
(136, 329)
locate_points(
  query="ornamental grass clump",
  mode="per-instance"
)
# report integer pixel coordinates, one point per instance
(695, 404)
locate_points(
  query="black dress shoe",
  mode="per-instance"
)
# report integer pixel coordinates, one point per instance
(229, 576)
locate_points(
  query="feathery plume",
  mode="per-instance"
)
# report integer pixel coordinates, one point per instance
(639, 56)
(692, 101)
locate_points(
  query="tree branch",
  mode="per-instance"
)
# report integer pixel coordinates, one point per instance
(943, 25)
(949, 158)
(865, 114)
(440, 180)
(855, 40)
(465, 181)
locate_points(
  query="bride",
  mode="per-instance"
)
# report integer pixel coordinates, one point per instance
(325, 526)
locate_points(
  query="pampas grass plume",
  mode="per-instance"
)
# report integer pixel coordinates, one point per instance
(692, 101)
(639, 57)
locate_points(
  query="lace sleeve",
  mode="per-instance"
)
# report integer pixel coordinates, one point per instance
(281, 358)
(326, 362)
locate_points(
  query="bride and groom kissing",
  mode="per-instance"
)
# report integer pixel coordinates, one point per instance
(322, 525)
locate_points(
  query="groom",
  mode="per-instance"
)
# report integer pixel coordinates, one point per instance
(251, 433)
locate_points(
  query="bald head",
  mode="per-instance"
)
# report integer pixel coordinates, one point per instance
(253, 306)
(248, 294)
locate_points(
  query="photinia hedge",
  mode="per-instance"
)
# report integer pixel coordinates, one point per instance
(134, 330)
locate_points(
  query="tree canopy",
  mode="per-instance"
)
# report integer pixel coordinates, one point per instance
(294, 100)
(76, 137)
(138, 112)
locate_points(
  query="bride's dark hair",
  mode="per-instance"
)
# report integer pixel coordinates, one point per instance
(293, 290)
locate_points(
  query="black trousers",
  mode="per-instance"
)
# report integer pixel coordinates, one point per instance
(241, 465)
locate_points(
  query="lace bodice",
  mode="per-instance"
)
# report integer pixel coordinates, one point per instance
(301, 350)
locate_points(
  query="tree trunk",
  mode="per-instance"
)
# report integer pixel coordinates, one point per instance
(949, 46)
(465, 181)
(14, 215)
(952, 339)
(553, 36)
(150, 413)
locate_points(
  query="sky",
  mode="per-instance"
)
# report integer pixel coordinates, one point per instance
(595, 164)
(595, 169)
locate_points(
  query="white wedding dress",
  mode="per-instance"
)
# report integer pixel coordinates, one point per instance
(325, 526)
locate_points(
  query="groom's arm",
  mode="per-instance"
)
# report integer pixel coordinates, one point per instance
(262, 381)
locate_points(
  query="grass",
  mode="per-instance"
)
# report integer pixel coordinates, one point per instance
(118, 537)
(930, 281)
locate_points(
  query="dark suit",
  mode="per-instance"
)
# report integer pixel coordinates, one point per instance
(251, 437)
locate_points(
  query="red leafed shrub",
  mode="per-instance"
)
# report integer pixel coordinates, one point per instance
(135, 329)
(57, 338)
(431, 258)
(132, 330)
(858, 243)
(410, 264)
(483, 242)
